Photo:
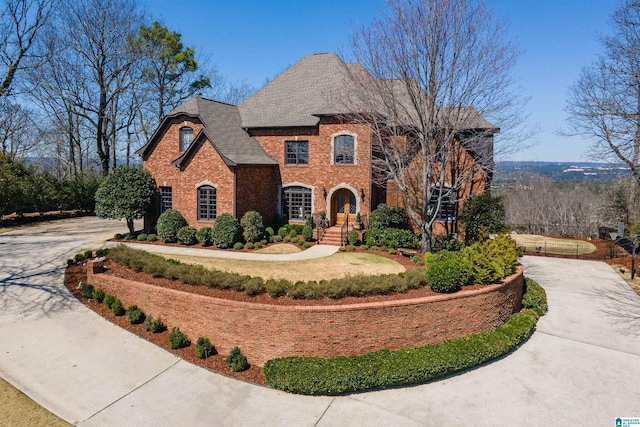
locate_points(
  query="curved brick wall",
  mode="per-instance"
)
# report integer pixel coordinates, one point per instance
(265, 331)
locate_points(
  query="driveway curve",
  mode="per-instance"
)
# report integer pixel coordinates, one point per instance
(581, 366)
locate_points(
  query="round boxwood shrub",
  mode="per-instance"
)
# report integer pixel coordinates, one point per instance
(152, 238)
(169, 222)
(108, 300)
(447, 271)
(293, 234)
(178, 339)
(353, 237)
(236, 360)
(277, 238)
(154, 325)
(142, 237)
(135, 316)
(117, 308)
(98, 295)
(204, 348)
(226, 231)
(248, 246)
(306, 245)
(385, 216)
(238, 246)
(86, 289)
(205, 236)
(257, 245)
(252, 226)
(187, 236)
(130, 237)
(118, 236)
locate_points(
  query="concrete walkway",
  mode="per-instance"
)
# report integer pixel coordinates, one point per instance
(581, 367)
(315, 251)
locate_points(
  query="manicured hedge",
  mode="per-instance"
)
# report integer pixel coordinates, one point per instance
(358, 285)
(398, 237)
(384, 368)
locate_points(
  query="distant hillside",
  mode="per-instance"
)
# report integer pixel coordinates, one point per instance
(508, 172)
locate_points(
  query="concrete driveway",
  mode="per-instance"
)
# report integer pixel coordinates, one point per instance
(581, 367)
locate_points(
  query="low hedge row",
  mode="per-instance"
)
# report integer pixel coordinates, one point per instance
(358, 285)
(384, 368)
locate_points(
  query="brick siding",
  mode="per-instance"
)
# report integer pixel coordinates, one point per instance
(266, 331)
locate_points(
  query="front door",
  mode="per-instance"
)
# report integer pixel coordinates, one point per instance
(344, 206)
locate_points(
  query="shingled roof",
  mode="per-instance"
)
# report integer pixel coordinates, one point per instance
(295, 96)
(222, 128)
(321, 84)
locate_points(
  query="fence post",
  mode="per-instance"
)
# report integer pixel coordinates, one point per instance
(545, 248)
(577, 255)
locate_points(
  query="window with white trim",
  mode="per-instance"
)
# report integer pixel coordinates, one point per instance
(206, 203)
(344, 150)
(296, 202)
(186, 136)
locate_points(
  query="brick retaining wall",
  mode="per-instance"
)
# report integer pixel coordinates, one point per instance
(264, 331)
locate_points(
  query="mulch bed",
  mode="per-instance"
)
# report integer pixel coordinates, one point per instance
(217, 363)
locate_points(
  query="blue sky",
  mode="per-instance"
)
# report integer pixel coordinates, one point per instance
(255, 40)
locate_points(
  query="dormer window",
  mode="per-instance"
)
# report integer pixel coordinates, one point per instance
(344, 150)
(186, 136)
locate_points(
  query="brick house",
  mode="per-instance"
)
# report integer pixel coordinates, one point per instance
(287, 150)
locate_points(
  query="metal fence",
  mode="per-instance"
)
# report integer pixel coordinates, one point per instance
(581, 250)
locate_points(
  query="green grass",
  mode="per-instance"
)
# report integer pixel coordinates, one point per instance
(553, 245)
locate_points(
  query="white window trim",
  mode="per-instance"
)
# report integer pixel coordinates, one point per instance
(355, 147)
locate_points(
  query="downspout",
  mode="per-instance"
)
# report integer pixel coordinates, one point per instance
(235, 192)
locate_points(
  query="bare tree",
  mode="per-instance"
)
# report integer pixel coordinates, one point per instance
(604, 104)
(18, 130)
(20, 23)
(434, 72)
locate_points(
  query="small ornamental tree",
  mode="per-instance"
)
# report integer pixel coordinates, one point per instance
(252, 226)
(226, 231)
(482, 215)
(125, 193)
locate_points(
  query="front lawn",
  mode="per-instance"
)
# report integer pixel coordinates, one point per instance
(551, 245)
(335, 266)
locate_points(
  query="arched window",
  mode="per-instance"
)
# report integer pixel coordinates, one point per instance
(186, 136)
(206, 203)
(343, 150)
(296, 202)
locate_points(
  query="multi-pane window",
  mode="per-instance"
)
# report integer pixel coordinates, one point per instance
(206, 203)
(186, 136)
(448, 204)
(343, 149)
(296, 202)
(296, 153)
(166, 198)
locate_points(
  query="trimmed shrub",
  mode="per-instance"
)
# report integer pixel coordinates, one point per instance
(135, 316)
(86, 289)
(117, 308)
(142, 237)
(252, 226)
(447, 271)
(237, 361)
(257, 245)
(98, 295)
(169, 222)
(385, 216)
(492, 259)
(102, 252)
(277, 238)
(130, 237)
(154, 326)
(204, 348)
(535, 297)
(445, 242)
(293, 233)
(79, 257)
(353, 237)
(384, 236)
(269, 231)
(307, 232)
(108, 300)
(238, 246)
(307, 245)
(286, 239)
(70, 262)
(177, 339)
(118, 236)
(342, 249)
(152, 238)
(294, 240)
(482, 215)
(226, 231)
(417, 260)
(309, 222)
(205, 236)
(384, 368)
(282, 231)
(364, 247)
(392, 251)
(88, 254)
(277, 287)
(264, 242)
(248, 246)
(374, 248)
(187, 236)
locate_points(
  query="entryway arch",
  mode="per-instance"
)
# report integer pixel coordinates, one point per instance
(344, 205)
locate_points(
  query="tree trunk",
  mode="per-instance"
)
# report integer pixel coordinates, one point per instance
(130, 225)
